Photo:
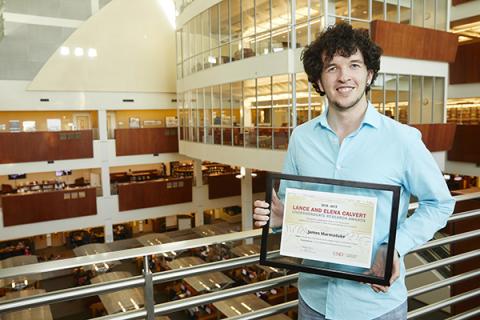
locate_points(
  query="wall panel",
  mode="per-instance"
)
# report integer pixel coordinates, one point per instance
(154, 193)
(406, 41)
(145, 141)
(48, 205)
(45, 146)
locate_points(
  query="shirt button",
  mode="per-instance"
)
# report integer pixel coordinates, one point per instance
(338, 167)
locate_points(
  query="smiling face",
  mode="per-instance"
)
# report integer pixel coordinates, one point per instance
(344, 80)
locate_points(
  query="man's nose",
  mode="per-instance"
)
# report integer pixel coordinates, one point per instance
(344, 75)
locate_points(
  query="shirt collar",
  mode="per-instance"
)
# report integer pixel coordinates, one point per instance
(371, 118)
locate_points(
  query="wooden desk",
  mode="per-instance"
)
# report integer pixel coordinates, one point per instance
(38, 313)
(19, 261)
(206, 282)
(245, 304)
(246, 250)
(116, 301)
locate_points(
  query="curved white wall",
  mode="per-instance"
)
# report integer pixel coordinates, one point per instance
(135, 47)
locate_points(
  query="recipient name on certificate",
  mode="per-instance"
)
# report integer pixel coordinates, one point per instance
(328, 227)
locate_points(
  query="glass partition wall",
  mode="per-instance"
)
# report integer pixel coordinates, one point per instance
(232, 30)
(261, 112)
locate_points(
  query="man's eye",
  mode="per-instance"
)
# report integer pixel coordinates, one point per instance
(355, 66)
(331, 69)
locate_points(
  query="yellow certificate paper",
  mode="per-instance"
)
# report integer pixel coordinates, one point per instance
(328, 227)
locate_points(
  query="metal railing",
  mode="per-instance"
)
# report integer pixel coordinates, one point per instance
(148, 279)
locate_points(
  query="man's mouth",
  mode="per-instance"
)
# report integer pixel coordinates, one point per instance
(344, 89)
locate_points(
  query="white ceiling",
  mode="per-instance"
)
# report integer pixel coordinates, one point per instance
(34, 29)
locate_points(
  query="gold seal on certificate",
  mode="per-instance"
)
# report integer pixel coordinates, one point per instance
(329, 227)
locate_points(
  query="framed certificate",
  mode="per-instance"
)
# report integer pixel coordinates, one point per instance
(336, 228)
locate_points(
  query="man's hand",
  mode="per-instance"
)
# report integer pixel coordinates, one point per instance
(261, 212)
(378, 268)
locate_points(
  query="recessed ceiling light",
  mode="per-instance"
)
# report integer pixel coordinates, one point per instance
(64, 51)
(92, 52)
(78, 52)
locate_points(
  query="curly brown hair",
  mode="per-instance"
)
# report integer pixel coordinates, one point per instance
(343, 40)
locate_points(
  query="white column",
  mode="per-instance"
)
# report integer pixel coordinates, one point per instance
(103, 135)
(198, 192)
(108, 230)
(247, 202)
(102, 125)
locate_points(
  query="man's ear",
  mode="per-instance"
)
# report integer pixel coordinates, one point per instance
(369, 78)
(319, 82)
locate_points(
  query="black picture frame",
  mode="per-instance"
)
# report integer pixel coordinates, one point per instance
(264, 256)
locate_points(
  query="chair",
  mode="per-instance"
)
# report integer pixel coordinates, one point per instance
(6, 188)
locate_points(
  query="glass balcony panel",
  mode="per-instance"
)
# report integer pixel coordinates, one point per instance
(359, 9)
(214, 27)
(179, 71)
(238, 136)
(236, 19)
(376, 94)
(416, 100)
(280, 25)
(405, 12)
(226, 114)
(403, 98)
(198, 60)
(248, 18)
(301, 22)
(315, 27)
(224, 24)
(248, 45)
(265, 138)
(341, 8)
(378, 12)
(179, 46)
(302, 98)
(316, 103)
(264, 109)
(208, 120)
(250, 136)
(281, 39)
(225, 54)
(441, 15)
(316, 8)
(429, 14)
(217, 135)
(392, 10)
(281, 101)
(262, 27)
(427, 100)
(237, 104)
(390, 95)
(280, 138)
(236, 50)
(227, 136)
(439, 100)
(198, 34)
(205, 34)
(360, 24)
(418, 7)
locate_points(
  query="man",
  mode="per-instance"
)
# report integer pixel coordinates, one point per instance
(352, 141)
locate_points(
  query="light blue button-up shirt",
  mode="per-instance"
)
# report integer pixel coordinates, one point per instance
(382, 151)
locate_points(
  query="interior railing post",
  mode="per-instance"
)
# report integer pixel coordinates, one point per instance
(148, 290)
